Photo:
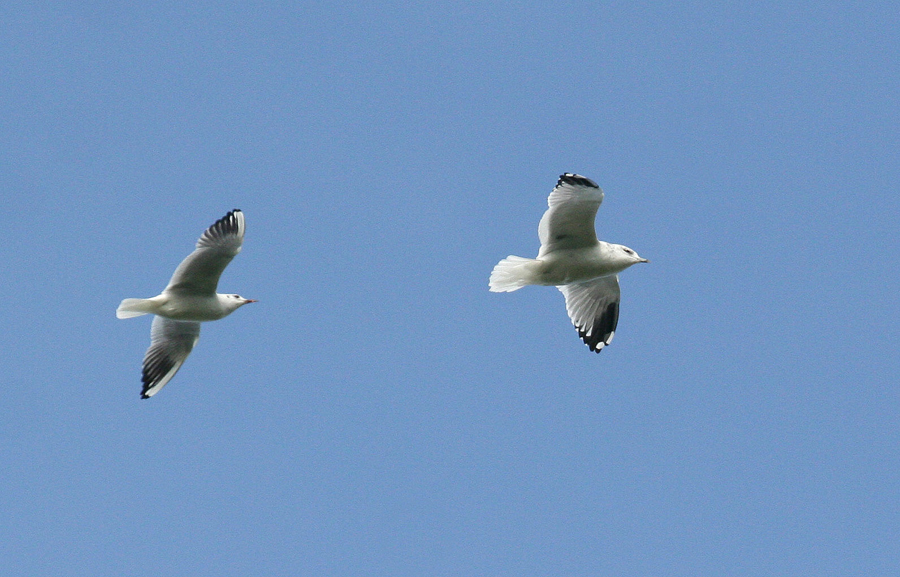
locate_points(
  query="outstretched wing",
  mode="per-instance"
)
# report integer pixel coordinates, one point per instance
(199, 273)
(569, 222)
(171, 342)
(593, 307)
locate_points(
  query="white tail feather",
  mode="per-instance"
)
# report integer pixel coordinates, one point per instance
(512, 273)
(135, 308)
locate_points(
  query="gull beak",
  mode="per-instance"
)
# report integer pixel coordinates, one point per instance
(250, 301)
(644, 260)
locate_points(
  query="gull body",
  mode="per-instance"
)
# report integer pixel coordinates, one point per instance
(567, 266)
(189, 299)
(184, 306)
(571, 258)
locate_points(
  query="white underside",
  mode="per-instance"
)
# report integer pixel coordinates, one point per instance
(556, 268)
(177, 307)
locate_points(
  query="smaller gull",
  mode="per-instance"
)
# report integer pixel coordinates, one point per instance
(574, 261)
(189, 299)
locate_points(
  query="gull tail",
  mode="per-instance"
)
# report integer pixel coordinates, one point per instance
(512, 273)
(135, 308)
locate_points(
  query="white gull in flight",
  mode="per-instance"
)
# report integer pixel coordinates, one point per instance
(189, 299)
(572, 259)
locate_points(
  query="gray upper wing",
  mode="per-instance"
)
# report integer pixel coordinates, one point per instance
(593, 307)
(171, 342)
(199, 273)
(569, 222)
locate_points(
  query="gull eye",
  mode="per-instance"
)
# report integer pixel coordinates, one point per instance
(629, 251)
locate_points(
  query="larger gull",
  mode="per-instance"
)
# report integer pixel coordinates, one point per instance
(189, 299)
(572, 259)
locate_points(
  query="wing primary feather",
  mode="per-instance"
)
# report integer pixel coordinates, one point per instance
(576, 180)
(171, 342)
(568, 222)
(232, 224)
(199, 272)
(593, 307)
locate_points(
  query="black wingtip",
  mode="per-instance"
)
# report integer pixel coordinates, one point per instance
(228, 224)
(603, 327)
(576, 180)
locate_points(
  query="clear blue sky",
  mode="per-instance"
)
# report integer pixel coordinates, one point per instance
(379, 412)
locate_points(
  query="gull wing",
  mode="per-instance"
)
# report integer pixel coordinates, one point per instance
(199, 273)
(171, 342)
(593, 307)
(569, 222)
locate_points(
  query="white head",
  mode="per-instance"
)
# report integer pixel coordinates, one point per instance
(233, 302)
(626, 256)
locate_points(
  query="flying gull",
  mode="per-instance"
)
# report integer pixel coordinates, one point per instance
(189, 299)
(572, 259)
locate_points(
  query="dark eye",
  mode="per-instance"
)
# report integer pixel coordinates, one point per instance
(629, 251)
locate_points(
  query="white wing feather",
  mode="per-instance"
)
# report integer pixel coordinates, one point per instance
(199, 273)
(171, 342)
(569, 222)
(593, 307)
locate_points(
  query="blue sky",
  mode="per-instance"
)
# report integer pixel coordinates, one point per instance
(379, 412)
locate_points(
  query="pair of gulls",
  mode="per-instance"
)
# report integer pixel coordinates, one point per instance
(571, 258)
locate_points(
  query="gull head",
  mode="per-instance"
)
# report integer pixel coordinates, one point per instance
(233, 302)
(626, 256)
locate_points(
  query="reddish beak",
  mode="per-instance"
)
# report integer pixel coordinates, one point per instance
(250, 301)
